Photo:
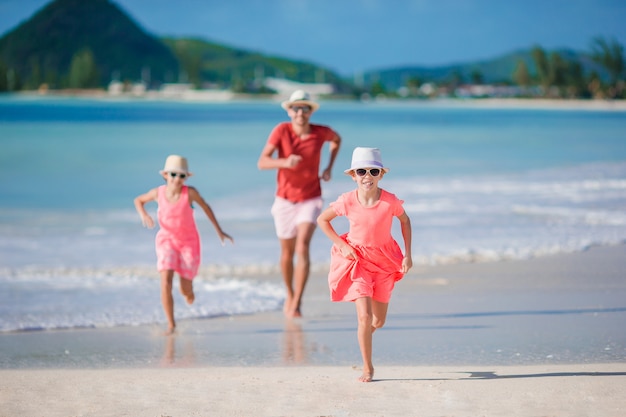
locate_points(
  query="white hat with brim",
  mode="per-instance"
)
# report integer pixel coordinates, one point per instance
(176, 163)
(300, 97)
(366, 158)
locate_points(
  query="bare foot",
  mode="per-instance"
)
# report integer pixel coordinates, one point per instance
(170, 331)
(189, 298)
(287, 306)
(292, 313)
(366, 377)
(294, 309)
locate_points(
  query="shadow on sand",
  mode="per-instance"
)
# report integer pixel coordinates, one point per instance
(482, 375)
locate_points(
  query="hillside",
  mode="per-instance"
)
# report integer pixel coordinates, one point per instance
(204, 62)
(497, 70)
(42, 48)
(83, 44)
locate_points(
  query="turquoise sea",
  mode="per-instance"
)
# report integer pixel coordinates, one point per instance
(480, 185)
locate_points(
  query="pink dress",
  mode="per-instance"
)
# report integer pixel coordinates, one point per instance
(379, 262)
(177, 241)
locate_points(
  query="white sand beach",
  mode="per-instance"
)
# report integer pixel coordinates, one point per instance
(552, 390)
(540, 337)
(225, 96)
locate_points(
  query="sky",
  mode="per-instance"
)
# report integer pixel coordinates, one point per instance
(352, 36)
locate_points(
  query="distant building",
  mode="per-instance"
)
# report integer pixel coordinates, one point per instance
(138, 89)
(284, 87)
(473, 91)
(175, 89)
(115, 88)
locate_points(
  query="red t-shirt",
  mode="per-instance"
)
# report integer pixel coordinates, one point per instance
(302, 182)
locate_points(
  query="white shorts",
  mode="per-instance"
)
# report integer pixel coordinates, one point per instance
(288, 215)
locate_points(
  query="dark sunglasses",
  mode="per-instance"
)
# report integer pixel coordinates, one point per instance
(374, 172)
(177, 174)
(305, 109)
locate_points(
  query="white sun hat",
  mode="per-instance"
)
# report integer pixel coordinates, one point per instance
(176, 163)
(300, 97)
(366, 158)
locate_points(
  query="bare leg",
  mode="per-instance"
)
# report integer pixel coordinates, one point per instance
(364, 334)
(167, 299)
(371, 315)
(287, 249)
(303, 265)
(186, 289)
(379, 312)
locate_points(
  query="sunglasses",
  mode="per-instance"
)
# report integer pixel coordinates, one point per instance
(177, 174)
(305, 109)
(374, 172)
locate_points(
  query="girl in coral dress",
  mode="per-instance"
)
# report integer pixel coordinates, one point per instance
(177, 241)
(366, 262)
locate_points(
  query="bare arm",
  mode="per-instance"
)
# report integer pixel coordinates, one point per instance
(195, 197)
(334, 146)
(405, 227)
(267, 161)
(140, 202)
(323, 221)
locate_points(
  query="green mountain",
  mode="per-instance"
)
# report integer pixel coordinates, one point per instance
(42, 49)
(497, 70)
(94, 41)
(204, 62)
(87, 43)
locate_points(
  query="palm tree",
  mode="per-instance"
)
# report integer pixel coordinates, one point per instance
(542, 65)
(610, 54)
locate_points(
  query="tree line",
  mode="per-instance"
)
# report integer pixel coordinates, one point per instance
(82, 74)
(545, 75)
(553, 76)
(558, 77)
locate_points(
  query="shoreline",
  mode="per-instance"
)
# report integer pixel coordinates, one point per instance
(516, 338)
(210, 96)
(476, 302)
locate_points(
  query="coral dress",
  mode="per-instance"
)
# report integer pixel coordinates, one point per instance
(177, 241)
(379, 261)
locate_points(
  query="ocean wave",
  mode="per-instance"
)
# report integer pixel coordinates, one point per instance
(39, 298)
(503, 255)
(574, 215)
(574, 190)
(66, 298)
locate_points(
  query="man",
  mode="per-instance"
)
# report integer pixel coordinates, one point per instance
(298, 145)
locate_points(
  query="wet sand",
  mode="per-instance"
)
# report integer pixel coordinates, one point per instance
(541, 337)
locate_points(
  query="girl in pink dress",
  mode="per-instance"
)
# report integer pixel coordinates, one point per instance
(177, 241)
(366, 262)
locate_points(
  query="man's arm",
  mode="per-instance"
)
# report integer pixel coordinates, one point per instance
(335, 144)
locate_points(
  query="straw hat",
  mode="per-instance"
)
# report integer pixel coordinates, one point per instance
(300, 97)
(366, 158)
(176, 163)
